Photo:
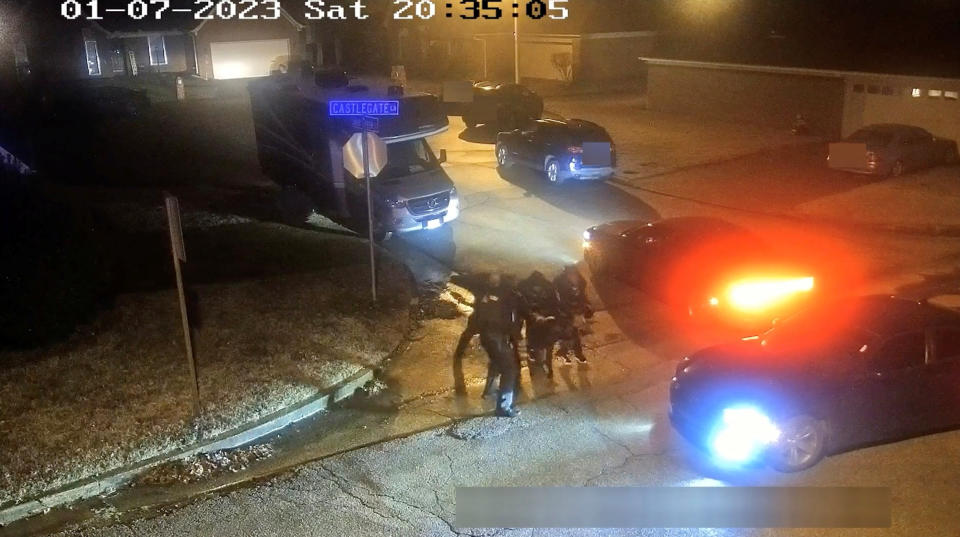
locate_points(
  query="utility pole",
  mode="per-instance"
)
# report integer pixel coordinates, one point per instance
(516, 50)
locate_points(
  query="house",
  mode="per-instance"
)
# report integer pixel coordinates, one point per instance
(211, 49)
(834, 103)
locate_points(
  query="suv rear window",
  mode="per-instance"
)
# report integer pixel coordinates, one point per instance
(588, 134)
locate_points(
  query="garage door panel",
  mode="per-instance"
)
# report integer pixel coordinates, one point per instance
(247, 59)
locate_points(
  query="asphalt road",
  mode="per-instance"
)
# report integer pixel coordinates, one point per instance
(602, 425)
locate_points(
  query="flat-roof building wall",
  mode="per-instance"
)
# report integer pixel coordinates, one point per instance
(834, 103)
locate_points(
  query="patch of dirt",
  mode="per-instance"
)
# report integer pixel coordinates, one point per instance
(204, 466)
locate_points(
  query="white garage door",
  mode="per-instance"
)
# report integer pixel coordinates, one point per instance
(246, 59)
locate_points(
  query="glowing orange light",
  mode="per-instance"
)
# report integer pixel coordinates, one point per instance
(758, 294)
(714, 301)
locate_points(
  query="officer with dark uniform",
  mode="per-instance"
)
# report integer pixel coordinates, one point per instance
(539, 308)
(574, 310)
(496, 321)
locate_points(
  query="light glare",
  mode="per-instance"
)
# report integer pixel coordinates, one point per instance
(752, 295)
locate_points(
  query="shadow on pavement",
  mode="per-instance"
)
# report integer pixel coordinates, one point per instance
(481, 134)
(593, 200)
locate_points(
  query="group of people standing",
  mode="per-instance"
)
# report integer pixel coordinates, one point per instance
(550, 314)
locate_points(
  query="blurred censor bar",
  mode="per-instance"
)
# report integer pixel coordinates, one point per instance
(673, 507)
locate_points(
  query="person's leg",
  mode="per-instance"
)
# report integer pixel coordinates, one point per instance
(492, 374)
(459, 384)
(578, 347)
(508, 376)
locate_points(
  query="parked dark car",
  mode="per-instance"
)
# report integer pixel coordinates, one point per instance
(507, 106)
(890, 149)
(706, 268)
(84, 101)
(845, 374)
(571, 149)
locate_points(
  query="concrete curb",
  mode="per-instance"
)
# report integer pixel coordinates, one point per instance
(928, 230)
(97, 485)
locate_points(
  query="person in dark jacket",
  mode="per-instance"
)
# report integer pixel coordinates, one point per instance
(574, 310)
(539, 308)
(496, 318)
(472, 329)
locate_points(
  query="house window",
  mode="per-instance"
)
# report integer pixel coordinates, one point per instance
(916, 92)
(158, 50)
(935, 93)
(873, 89)
(950, 95)
(93, 58)
(858, 88)
(887, 90)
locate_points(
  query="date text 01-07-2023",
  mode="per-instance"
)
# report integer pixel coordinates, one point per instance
(318, 9)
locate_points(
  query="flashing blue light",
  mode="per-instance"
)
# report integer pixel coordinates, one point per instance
(364, 108)
(743, 433)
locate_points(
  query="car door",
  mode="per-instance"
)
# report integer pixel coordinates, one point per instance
(889, 399)
(537, 144)
(943, 376)
(526, 139)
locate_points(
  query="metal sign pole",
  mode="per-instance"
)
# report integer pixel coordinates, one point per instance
(516, 50)
(179, 254)
(366, 174)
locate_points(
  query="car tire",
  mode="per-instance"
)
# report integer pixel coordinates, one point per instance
(503, 156)
(897, 169)
(552, 169)
(802, 444)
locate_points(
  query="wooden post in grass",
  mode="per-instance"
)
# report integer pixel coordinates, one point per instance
(180, 256)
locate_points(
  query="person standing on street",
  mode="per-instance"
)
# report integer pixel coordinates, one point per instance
(574, 310)
(539, 308)
(496, 318)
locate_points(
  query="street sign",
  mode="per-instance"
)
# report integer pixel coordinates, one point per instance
(353, 155)
(365, 156)
(370, 124)
(364, 108)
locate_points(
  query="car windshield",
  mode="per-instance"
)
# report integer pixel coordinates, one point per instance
(408, 158)
(872, 137)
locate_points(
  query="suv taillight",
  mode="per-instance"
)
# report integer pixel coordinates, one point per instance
(576, 150)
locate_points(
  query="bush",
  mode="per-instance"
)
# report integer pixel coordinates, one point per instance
(55, 265)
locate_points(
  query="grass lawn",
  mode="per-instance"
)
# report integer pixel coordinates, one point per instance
(284, 313)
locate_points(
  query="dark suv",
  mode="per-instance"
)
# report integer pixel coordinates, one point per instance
(562, 149)
(506, 106)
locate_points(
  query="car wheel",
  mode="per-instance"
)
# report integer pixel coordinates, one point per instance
(503, 156)
(897, 169)
(802, 443)
(552, 170)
